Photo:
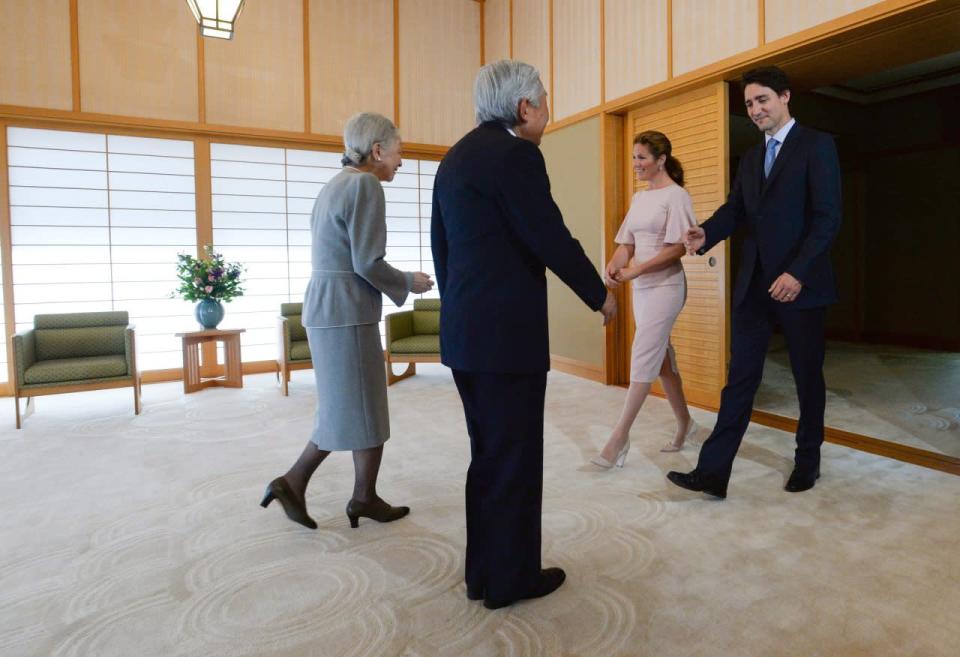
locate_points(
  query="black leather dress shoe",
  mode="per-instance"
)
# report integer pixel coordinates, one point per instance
(474, 592)
(296, 509)
(550, 580)
(697, 482)
(802, 479)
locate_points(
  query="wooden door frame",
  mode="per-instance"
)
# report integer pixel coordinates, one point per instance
(618, 338)
(710, 99)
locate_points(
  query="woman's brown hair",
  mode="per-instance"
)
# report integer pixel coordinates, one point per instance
(658, 144)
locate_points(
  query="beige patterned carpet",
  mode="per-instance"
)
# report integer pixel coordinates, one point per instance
(142, 537)
(904, 395)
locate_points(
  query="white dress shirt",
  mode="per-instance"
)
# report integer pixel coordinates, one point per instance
(780, 136)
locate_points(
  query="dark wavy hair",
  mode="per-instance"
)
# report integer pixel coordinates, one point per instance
(658, 144)
(767, 76)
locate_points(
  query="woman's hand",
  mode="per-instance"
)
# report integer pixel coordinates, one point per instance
(421, 283)
(610, 276)
(627, 274)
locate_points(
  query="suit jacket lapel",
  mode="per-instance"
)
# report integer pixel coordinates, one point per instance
(754, 172)
(786, 150)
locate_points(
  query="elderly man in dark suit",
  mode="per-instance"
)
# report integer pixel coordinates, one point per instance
(495, 229)
(786, 202)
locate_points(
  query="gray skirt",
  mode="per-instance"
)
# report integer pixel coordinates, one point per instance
(351, 388)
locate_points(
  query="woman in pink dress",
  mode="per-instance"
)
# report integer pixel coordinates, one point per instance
(650, 247)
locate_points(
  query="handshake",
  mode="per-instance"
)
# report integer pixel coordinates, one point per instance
(609, 308)
(694, 240)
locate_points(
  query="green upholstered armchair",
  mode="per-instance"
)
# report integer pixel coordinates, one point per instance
(413, 336)
(74, 352)
(293, 350)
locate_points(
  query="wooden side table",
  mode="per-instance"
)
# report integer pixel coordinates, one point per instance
(233, 366)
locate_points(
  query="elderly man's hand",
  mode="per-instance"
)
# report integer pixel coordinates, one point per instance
(609, 308)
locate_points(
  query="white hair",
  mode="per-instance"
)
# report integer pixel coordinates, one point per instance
(499, 88)
(364, 130)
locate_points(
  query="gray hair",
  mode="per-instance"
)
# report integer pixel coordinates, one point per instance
(361, 132)
(499, 88)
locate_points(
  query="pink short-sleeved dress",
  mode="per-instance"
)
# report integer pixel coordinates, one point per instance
(656, 217)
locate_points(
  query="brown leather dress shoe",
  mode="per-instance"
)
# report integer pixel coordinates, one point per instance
(379, 511)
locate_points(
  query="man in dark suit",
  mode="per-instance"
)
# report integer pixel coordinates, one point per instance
(495, 228)
(786, 202)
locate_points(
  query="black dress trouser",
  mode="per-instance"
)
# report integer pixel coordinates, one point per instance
(504, 414)
(752, 324)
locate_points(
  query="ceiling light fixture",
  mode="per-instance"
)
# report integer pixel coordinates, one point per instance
(216, 17)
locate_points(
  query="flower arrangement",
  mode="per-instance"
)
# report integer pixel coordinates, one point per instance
(208, 277)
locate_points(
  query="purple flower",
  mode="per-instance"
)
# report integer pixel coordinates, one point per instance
(211, 277)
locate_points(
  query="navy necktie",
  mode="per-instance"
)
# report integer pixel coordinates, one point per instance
(770, 156)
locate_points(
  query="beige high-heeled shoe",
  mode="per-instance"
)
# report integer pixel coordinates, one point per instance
(618, 460)
(672, 446)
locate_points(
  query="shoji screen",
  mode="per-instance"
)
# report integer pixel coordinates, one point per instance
(250, 227)
(428, 171)
(262, 202)
(97, 222)
(3, 332)
(408, 224)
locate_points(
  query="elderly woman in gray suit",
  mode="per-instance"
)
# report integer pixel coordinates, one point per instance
(341, 312)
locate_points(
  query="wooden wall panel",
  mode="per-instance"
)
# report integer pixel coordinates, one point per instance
(706, 31)
(138, 58)
(696, 123)
(616, 360)
(784, 17)
(6, 271)
(346, 78)
(35, 54)
(635, 39)
(531, 36)
(496, 30)
(576, 56)
(573, 158)
(256, 79)
(439, 58)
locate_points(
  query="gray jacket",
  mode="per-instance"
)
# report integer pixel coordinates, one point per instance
(348, 232)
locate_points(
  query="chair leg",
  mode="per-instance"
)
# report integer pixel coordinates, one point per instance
(286, 382)
(16, 405)
(407, 373)
(136, 397)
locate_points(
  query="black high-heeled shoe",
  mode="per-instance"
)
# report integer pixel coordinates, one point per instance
(295, 509)
(379, 511)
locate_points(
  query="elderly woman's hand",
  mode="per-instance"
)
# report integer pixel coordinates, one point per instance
(421, 283)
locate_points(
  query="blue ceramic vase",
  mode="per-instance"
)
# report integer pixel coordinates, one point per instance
(209, 312)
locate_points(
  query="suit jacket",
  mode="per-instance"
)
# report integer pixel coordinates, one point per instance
(348, 235)
(789, 220)
(495, 227)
